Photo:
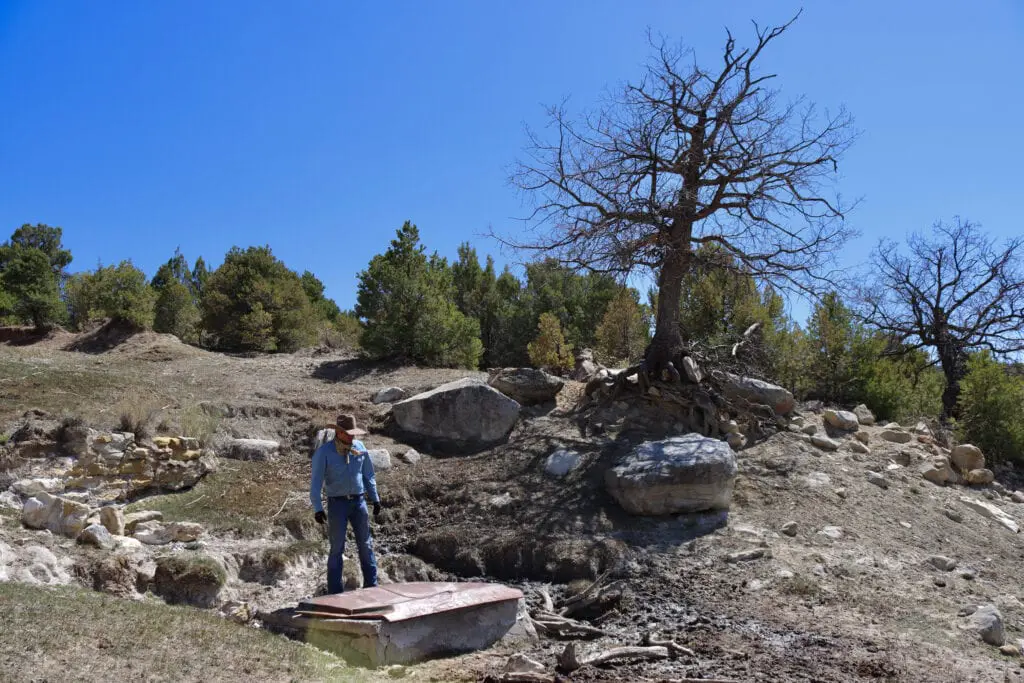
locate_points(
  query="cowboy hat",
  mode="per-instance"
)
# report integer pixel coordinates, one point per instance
(347, 424)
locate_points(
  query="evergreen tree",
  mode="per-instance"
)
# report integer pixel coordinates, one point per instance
(254, 302)
(407, 302)
(177, 307)
(122, 294)
(550, 350)
(625, 329)
(323, 308)
(32, 267)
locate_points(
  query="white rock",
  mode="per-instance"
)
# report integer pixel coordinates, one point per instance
(809, 429)
(842, 419)
(789, 528)
(521, 664)
(936, 471)
(10, 500)
(980, 477)
(864, 415)
(30, 487)
(562, 462)
(1017, 496)
(59, 515)
(878, 480)
(967, 457)
(942, 563)
(862, 436)
(991, 511)
(381, 458)
(389, 395)
(692, 370)
(817, 480)
(736, 441)
(833, 532)
(112, 517)
(132, 519)
(858, 447)
(97, 535)
(253, 449)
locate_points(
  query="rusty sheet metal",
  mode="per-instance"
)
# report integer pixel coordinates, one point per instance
(401, 601)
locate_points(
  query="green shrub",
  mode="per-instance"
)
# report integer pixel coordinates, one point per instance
(992, 409)
(549, 349)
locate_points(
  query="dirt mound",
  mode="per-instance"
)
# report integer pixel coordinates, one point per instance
(117, 337)
(56, 337)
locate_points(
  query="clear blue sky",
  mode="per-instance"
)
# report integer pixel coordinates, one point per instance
(318, 127)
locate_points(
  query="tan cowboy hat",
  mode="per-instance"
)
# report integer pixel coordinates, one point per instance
(347, 424)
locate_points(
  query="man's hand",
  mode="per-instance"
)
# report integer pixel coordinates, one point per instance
(320, 517)
(376, 510)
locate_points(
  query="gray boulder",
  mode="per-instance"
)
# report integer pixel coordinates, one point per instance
(864, 415)
(253, 449)
(759, 391)
(987, 622)
(586, 367)
(967, 457)
(381, 458)
(842, 419)
(527, 386)
(97, 535)
(895, 436)
(411, 456)
(687, 473)
(389, 395)
(464, 414)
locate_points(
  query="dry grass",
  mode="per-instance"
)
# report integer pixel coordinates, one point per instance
(199, 424)
(242, 497)
(137, 411)
(88, 636)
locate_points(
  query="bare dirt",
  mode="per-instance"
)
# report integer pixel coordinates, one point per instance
(863, 604)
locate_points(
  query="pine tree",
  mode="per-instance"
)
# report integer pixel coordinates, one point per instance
(625, 329)
(549, 349)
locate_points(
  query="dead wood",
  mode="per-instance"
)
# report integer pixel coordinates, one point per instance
(570, 659)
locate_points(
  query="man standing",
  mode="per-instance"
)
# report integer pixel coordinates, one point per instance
(343, 467)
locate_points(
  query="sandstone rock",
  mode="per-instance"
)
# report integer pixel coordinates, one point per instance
(133, 519)
(991, 511)
(942, 563)
(980, 477)
(521, 664)
(746, 555)
(462, 414)
(389, 395)
(39, 566)
(381, 459)
(832, 532)
(864, 415)
(1017, 496)
(858, 447)
(411, 456)
(687, 473)
(824, 443)
(953, 515)
(895, 436)
(937, 471)
(1009, 650)
(878, 480)
(253, 449)
(842, 419)
(527, 386)
(693, 372)
(759, 391)
(562, 462)
(789, 528)
(736, 441)
(97, 535)
(30, 487)
(112, 518)
(967, 457)
(903, 458)
(987, 622)
(863, 437)
(59, 515)
(154, 533)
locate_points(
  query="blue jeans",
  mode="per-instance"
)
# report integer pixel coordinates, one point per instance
(339, 513)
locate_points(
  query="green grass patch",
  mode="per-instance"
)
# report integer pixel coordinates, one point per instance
(25, 384)
(90, 636)
(243, 497)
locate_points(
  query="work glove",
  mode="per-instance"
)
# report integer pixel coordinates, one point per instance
(320, 517)
(376, 510)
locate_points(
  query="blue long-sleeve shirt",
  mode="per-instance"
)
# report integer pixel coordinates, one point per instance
(341, 476)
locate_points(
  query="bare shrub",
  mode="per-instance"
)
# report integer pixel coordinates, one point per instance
(137, 410)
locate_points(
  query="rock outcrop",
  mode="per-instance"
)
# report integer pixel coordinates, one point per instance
(526, 386)
(389, 395)
(689, 473)
(842, 419)
(759, 391)
(60, 515)
(253, 449)
(462, 415)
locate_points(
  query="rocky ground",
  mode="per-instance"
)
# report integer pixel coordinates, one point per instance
(840, 558)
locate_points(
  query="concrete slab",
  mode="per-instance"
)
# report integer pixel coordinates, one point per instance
(405, 623)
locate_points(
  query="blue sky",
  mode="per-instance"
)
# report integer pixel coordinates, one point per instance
(319, 127)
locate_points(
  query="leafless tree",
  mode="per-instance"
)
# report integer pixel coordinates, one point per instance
(689, 156)
(955, 292)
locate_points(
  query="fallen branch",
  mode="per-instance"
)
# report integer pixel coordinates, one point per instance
(549, 604)
(674, 648)
(700, 680)
(557, 625)
(193, 502)
(570, 660)
(583, 601)
(287, 498)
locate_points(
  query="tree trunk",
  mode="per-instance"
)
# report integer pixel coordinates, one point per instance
(953, 361)
(668, 341)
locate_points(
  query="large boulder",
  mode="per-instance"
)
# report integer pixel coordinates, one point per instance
(864, 415)
(842, 419)
(464, 414)
(189, 580)
(253, 449)
(586, 367)
(687, 473)
(527, 386)
(987, 622)
(967, 457)
(389, 395)
(759, 391)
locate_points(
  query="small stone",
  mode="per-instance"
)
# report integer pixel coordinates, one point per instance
(980, 477)
(878, 480)
(389, 395)
(939, 581)
(736, 441)
(895, 436)
(381, 459)
(133, 519)
(905, 525)
(732, 427)
(942, 563)
(864, 415)
(789, 528)
(903, 457)
(562, 462)
(810, 430)
(97, 535)
(824, 443)
(1009, 650)
(112, 518)
(841, 492)
(797, 421)
(833, 532)
(967, 574)
(953, 515)
(745, 555)
(858, 447)
(410, 457)
(863, 437)
(521, 664)
(987, 621)
(1017, 496)
(842, 419)
(693, 372)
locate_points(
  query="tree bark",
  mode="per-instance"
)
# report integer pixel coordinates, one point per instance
(953, 361)
(668, 340)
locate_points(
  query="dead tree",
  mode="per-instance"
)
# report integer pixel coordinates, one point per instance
(955, 292)
(686, 156)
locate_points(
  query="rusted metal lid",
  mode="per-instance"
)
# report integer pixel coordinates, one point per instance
(400, 601)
